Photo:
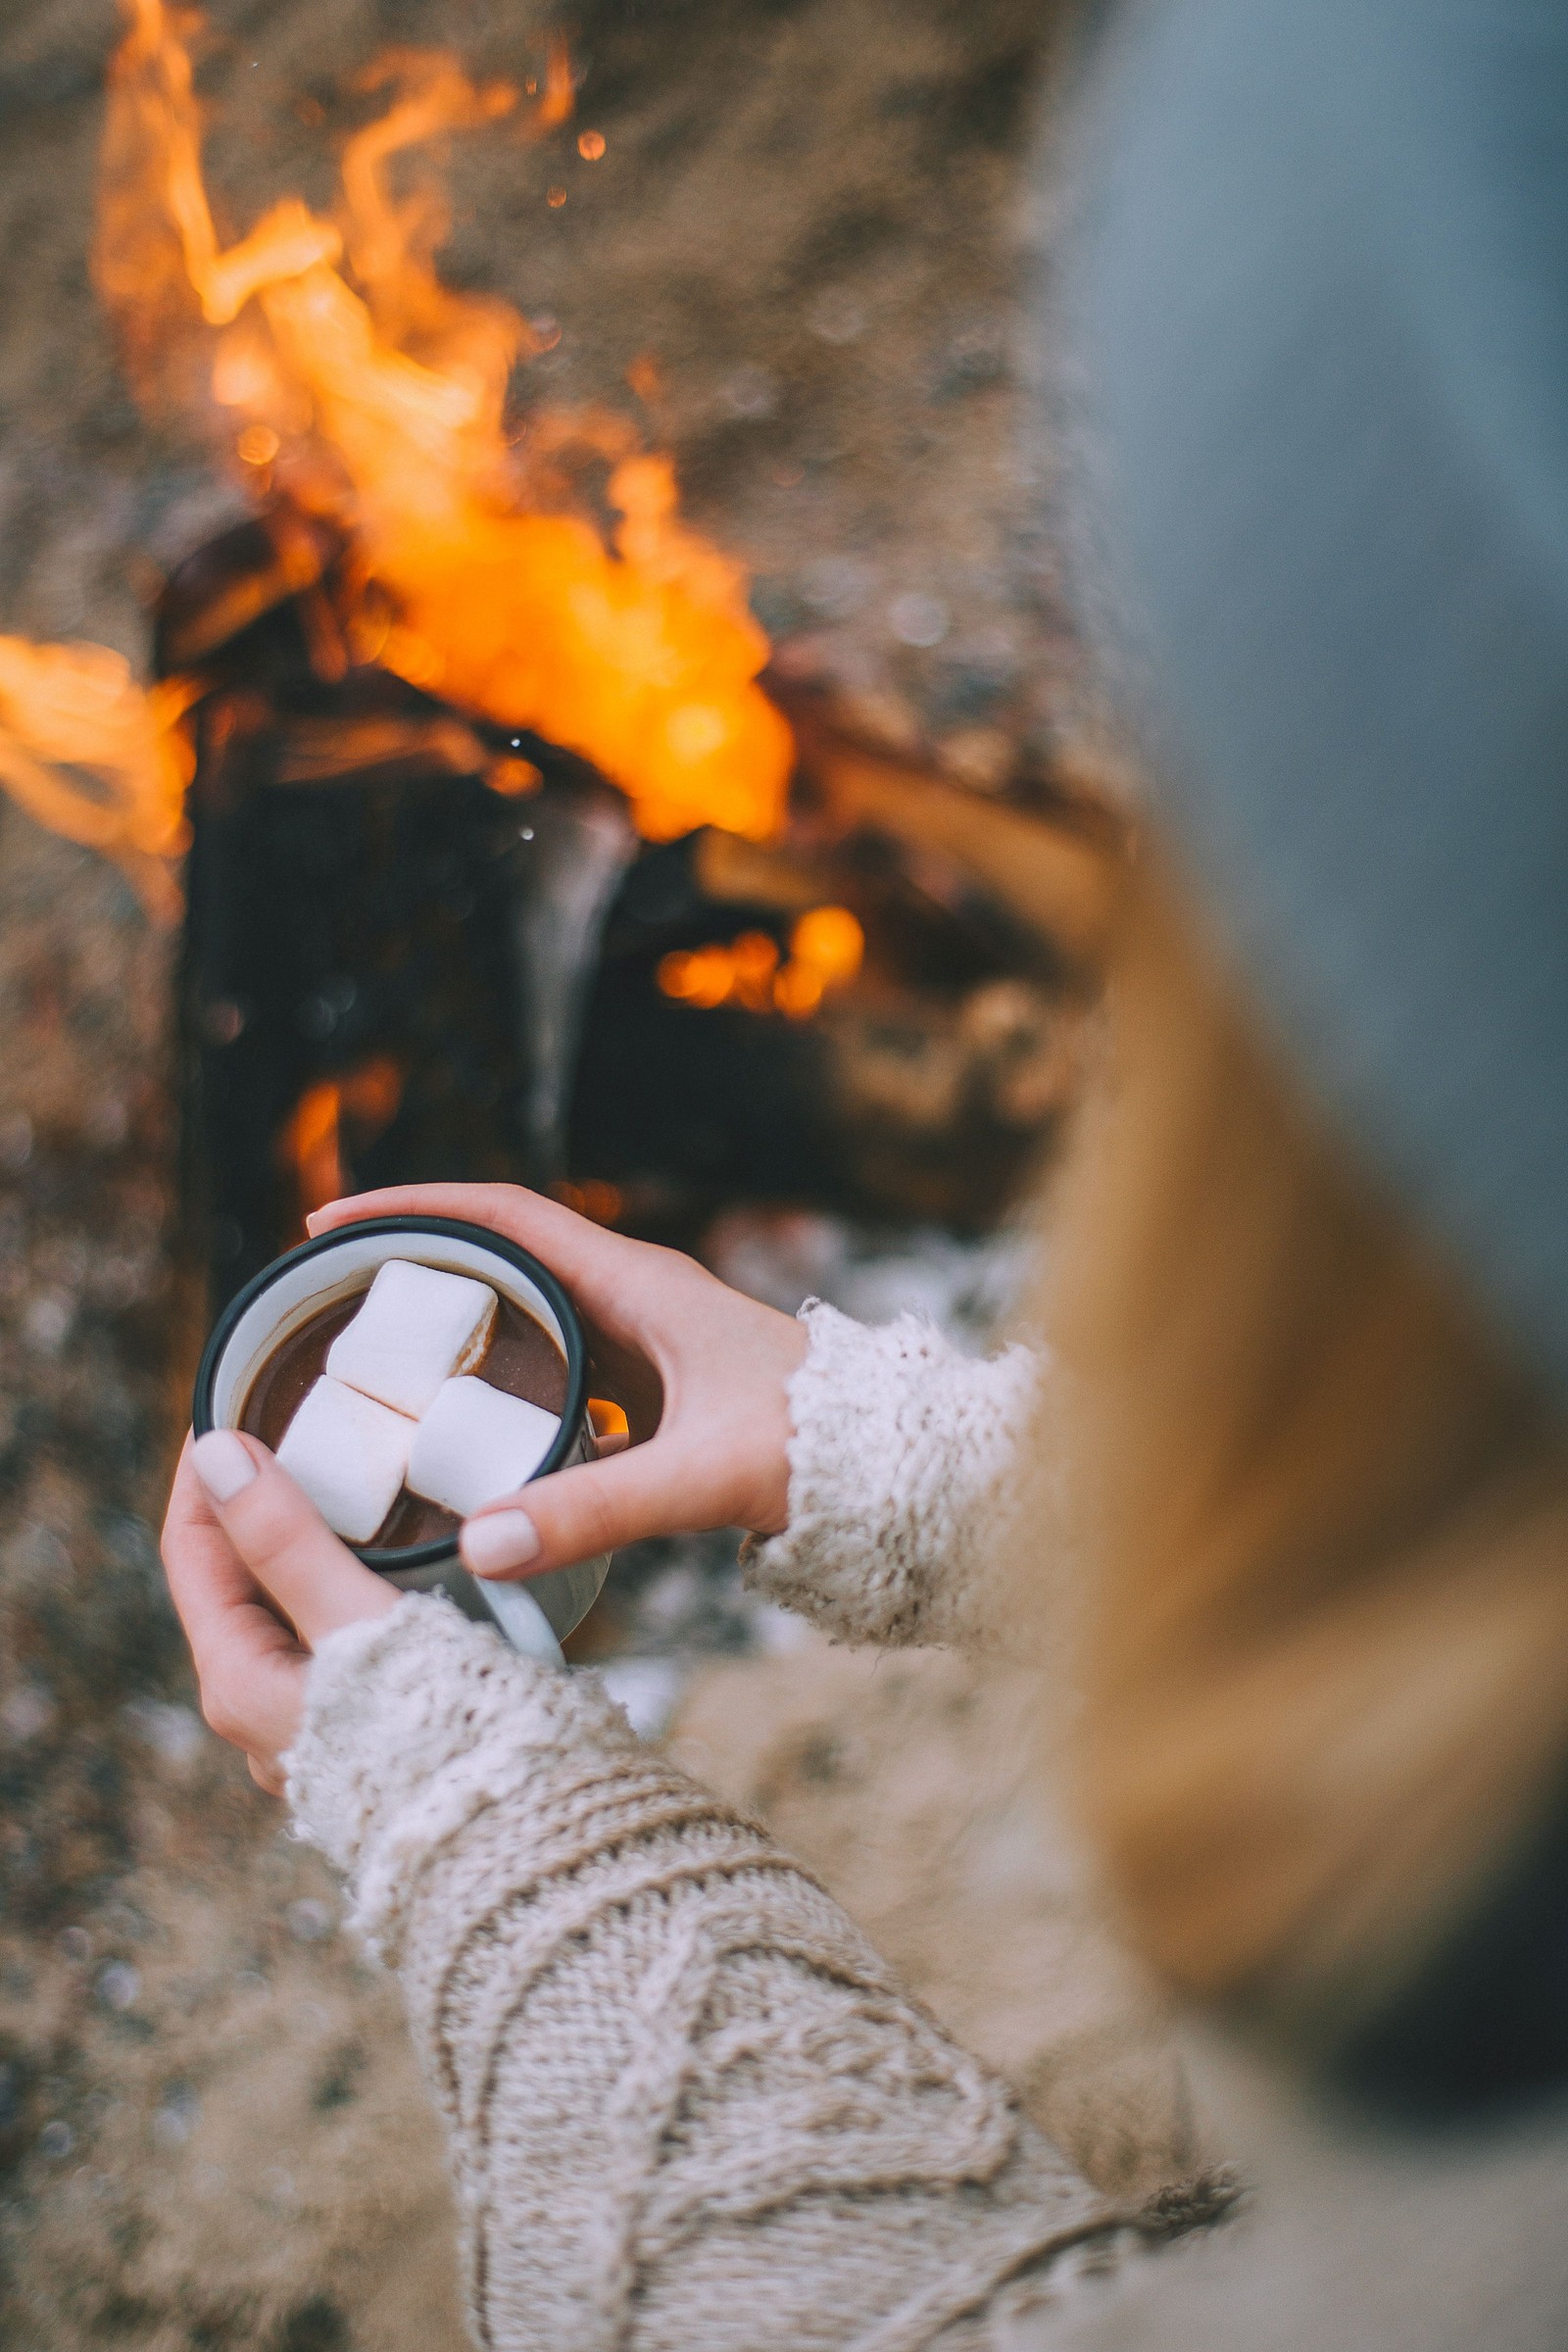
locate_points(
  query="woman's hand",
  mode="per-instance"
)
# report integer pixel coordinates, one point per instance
(258, 1578)
(700, 1369)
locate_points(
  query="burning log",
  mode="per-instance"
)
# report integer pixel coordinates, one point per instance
(354, 1000)
(420, 947)
(1056, 871)
(394, 919)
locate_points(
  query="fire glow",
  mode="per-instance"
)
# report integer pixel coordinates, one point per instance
(91, 754)
(345, 379)
(310, 1146)
(826, 948)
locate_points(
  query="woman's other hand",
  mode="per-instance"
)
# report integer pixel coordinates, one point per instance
(258, 1578)
(700, 1369)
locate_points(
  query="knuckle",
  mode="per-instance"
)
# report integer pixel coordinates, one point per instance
(220, 1714)
(282, 1529)
(597, 1531)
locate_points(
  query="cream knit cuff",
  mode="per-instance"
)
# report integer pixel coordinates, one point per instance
(414, 1723)
(900, 1482)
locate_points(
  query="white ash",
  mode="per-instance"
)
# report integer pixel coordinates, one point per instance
(476, 1443)
(418, 1328)
(967, 1286)
(349, 1455)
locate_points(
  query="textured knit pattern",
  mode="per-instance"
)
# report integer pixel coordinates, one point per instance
(688, 2111)
(901, 1483)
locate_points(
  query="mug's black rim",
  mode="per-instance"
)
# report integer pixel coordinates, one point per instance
(388, 1558)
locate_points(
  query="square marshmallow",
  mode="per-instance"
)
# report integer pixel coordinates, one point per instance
(349, 1455)
(476, 1443)
(416, 1328)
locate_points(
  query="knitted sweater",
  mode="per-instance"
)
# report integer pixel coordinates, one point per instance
(688, 2111)
(687, 2106)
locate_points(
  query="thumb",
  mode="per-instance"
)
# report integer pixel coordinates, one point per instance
(576, 1513)
(284, 1540)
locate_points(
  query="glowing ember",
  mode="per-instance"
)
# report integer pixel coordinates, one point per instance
(309, 1146)
(365, 390)
(91, 754)
(826, 948)
(559, 99)
(593, 1197)
(258, 445)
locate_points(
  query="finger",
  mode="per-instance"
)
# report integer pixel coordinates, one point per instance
(633, 1297)
(612, 1278)
(267, 1776)
(248, 1663)
(207, 1579)
(282, 1538)
(571, 1246)
(217, 1601)
(577, 1513)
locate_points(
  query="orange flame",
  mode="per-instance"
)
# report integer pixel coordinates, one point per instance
(311, 1144)
(91, 754)
(365, 389)
(826, 948)
(554, 108)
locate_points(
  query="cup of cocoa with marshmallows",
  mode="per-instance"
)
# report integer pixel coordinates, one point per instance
(406, 1372)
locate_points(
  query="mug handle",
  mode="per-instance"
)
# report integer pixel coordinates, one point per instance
(522, 1619)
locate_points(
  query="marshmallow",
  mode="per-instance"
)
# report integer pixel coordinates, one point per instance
(416, 1328)
(475, 1444)
(350, 1455)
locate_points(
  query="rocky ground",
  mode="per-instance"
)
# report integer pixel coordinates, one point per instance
(194, 2067)
(210, 2131)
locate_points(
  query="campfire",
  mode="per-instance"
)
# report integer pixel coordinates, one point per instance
(460, 766)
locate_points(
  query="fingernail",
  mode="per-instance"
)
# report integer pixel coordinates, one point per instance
(223, 1464)
(506, 1539)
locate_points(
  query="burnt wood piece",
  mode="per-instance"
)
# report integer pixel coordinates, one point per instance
(925, 1093)
(695, 1106)
(359, 896)
(333, 928)
(369, 897)
(349, 902)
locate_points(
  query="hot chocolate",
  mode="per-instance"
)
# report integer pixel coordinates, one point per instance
(519, 1358)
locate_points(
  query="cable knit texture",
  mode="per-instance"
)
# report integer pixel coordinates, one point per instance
(688, 2110)
(900, 1483)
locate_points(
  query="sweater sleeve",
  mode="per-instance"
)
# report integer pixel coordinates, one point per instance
(900, 1482)
(687, 2108)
